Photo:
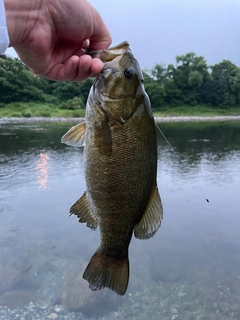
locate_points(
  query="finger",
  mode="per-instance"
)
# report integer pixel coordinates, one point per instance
(64, 71)
(88, 67)
(75, 69)
(96, 67)
(83, 69)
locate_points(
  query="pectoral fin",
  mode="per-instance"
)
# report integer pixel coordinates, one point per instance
(152, 218)
(82, 210)
(75, 136)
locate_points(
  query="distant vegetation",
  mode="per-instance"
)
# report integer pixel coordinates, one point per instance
(189, 82)
(21, 89)
(192, 82)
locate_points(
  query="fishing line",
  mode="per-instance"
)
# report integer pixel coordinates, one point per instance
(176, 155)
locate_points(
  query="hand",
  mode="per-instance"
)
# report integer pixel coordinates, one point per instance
(50, 37)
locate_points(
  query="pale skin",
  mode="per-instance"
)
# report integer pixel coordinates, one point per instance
(50, 37)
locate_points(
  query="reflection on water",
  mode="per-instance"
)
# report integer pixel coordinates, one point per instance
(189, 270)
(42, 168)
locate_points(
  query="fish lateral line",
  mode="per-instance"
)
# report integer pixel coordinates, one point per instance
(176, 155)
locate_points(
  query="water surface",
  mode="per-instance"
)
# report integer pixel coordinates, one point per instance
(189, 270)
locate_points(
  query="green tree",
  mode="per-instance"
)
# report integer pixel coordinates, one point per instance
(155, 91)
(159, 73)
(72, 104)
(190, 81)
(68, 90)
(17, 83)
(189, 76)
(225, 77)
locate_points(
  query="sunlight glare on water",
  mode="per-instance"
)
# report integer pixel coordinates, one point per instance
(42, 168)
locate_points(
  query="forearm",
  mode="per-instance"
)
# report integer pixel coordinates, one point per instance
(21, 16)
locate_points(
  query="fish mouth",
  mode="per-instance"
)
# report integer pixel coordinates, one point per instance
(106, 71)
(99, 81)
(109, 70)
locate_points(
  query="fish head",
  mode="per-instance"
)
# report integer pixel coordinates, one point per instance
(120, 83)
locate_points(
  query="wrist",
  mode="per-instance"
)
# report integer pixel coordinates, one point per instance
(20, 17)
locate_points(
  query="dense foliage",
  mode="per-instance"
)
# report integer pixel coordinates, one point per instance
(192, 82)
(18, 84)
(189, 82)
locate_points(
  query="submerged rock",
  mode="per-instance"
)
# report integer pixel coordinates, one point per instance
(76, 295)
(22, 298)
(17, 298)
(16, 277)
(9, 277)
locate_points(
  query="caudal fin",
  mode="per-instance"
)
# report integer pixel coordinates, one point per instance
(105, 271)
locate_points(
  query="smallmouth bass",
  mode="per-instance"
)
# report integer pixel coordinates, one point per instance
(120, 165)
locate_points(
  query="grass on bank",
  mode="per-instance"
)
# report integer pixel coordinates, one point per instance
(31, 109)
(196, 111)
(48, 110)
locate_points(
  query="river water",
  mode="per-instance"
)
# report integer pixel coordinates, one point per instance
(190, 270)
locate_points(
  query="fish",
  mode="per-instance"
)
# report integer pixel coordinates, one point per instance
(120, 167)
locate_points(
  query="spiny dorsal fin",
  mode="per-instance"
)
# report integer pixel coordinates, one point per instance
(152, 218)
(75, 136)
(82, 210)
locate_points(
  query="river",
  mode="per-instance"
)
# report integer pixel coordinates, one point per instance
(190, 270)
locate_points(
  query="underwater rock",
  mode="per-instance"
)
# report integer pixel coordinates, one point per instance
(22, 298)
(16, 277)
(76, 295)
(9, 277)
(17, 298)
(53, 316)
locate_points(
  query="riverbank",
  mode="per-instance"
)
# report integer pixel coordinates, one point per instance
(157, 119)
(183, 113)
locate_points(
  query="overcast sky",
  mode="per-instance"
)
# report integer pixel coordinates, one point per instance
(158, 30)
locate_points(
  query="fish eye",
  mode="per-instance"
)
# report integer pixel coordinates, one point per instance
(128, 72)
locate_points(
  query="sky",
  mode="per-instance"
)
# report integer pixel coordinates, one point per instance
(159, 30)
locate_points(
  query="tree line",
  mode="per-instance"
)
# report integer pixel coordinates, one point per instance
(192, 82)
(189, 82)
(19, 84)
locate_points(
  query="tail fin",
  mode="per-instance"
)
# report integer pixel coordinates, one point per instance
(105, 271)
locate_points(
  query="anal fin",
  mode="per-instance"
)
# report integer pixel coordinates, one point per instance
(82, 210)
(152, 218)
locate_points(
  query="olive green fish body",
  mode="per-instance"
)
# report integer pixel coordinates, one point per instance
(119, 183)
(120, 165)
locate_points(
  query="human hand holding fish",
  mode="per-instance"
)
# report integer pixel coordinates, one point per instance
(120, 166)
(50, 37)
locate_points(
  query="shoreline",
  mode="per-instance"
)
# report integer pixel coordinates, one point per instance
(157, 119)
